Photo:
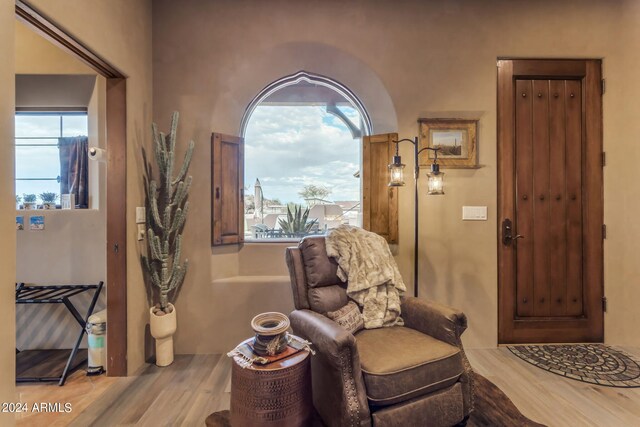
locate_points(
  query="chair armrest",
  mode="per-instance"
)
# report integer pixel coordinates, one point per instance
(446, 324)
(329, 338)
(339, 393)
(437, 320)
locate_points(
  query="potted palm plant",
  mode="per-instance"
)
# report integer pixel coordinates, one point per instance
(29, 201)
(167, 207)
(48, 200)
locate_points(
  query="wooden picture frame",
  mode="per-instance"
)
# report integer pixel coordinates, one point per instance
(457, 139)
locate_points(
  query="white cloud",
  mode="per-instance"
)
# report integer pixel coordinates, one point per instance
(288, 147)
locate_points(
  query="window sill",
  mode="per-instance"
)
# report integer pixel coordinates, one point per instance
(267, 241)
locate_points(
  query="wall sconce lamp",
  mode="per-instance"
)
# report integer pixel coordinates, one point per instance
(435, 186)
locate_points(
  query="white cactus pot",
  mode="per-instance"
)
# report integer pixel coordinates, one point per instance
(162, 329)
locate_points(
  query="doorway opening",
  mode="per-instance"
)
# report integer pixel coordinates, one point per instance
(110, 95)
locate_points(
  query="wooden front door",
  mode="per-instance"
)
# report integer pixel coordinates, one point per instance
(550, 255)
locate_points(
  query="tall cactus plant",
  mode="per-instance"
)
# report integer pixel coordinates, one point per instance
(167, 208)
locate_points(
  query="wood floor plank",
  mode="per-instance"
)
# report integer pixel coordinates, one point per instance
(194, 386)
(79, 390)
(138, 397)
(179, 400)
(553, 400)
(46, 363)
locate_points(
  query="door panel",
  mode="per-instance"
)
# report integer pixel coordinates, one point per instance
(575, 206)
(558, 201)
(550, 186)
(539, 196)
(524, 183)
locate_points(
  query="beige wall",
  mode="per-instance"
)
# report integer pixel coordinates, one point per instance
(120, 31)
(7, 210)
(36, 55)
(72, 247)
(430, 59)
(622, 182)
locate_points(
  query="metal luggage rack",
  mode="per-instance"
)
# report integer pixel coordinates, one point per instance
(58, 294)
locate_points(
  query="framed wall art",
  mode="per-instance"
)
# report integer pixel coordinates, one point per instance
(456, 138)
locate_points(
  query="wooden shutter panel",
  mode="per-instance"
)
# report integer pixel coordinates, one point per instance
(227, 189)
(379, 201)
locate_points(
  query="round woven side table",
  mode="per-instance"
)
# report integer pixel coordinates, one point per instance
(278, 394)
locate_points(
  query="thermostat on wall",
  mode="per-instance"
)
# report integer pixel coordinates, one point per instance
(474, 213)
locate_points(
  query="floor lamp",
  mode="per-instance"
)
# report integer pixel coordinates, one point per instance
(435, 187)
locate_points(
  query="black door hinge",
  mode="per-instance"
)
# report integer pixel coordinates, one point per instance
(603, 86)
(604, 231)
(604, 304)
(604, 159)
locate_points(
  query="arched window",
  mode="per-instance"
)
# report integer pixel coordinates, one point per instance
(302, 158)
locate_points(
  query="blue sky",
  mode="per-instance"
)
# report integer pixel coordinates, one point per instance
(44, 161)
(288, 147)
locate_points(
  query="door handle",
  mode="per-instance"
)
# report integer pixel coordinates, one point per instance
(507, 233)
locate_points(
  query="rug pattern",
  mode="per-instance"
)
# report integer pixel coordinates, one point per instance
(591, 363)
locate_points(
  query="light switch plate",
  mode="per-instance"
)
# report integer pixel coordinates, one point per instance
(140, 232)
(474, 213)
(140, 215)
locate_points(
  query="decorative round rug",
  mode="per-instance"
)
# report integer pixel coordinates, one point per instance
(591, 363)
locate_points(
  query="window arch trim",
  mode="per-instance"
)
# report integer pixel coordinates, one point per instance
(309, 78)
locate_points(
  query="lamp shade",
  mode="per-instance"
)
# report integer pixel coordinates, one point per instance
(435, 183)
(396, 172)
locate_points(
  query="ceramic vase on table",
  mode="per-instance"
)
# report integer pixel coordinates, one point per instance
(271, 333)
(162, 329)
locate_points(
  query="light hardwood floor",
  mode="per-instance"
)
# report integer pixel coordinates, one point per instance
(79, 390)
(194, 386)
(553, 400)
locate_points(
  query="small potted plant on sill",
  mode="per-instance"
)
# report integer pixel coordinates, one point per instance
(48, 200)
(18, 200)
(29, 201)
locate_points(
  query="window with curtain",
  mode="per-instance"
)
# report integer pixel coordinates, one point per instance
(51, 154)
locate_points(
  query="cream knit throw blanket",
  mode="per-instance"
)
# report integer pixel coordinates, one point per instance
(374, 282)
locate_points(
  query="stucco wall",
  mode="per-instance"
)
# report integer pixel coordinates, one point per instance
(7, 210)
(72, 247)
(120, 31)
(430, 59)
(36, 55)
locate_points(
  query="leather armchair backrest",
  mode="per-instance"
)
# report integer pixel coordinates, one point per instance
(298, 278)
(318, 267)
(314, 280)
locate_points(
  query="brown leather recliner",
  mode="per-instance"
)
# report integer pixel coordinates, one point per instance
(412, 375)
